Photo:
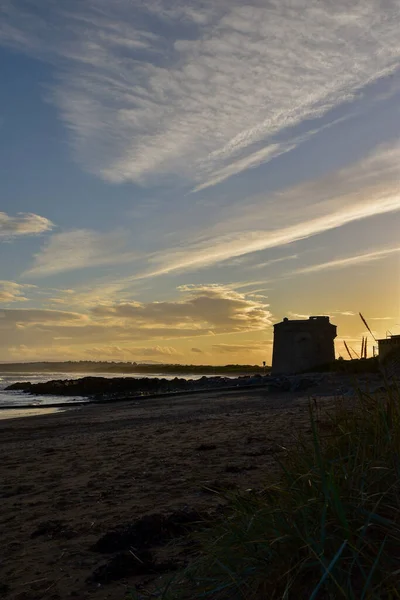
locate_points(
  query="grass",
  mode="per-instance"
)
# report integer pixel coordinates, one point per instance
(329, 529)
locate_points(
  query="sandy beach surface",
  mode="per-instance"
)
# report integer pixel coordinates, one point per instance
(70, 477)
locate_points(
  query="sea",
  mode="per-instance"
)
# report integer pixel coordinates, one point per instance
(14, 399)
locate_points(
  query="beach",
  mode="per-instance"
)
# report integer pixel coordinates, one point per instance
(70, 477)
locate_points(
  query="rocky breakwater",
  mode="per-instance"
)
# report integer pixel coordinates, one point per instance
(103, 388)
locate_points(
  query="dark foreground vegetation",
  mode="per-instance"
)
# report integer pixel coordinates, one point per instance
(329, 529)
(356, 365)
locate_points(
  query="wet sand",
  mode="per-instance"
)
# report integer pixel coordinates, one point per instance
(15, 413)
(70, 477)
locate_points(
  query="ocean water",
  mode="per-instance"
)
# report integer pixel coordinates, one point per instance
(20, 399)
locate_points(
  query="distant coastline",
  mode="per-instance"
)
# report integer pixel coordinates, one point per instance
(129, 367)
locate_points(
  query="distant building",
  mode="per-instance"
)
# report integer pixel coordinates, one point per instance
(387, 346)
(302, 345)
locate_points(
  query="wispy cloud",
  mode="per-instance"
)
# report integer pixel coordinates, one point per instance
(264, 155)
(365, 189)
(81, 248)
(383, 318)
(342, 263)
(251, 161)
(206, 96)
(22, 224)
(274, 261)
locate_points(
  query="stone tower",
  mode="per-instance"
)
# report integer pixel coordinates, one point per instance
(302, 345)
(389, 356)
(388, 346)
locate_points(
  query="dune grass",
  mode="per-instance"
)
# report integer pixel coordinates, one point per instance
(329, 529)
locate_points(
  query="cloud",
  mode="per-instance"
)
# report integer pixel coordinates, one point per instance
(124, 353)
(94, 292)
(342, 263)
(156, 351)
(79, 249)
(10, 291)
(206, 312)
(273, 261)
(382, 318)
(216, 308)
(196, 350)
(208, 94)
(22, 224)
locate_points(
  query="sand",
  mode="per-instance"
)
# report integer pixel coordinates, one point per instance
(70, 477)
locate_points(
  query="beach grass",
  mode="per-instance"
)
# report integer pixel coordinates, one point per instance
(328, 529)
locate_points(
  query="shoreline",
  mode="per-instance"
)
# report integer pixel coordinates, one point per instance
(113, 401)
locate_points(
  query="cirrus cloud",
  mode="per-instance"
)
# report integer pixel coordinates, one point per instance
(350, 261)
(80, 248)
(207, 92)
(365, 189)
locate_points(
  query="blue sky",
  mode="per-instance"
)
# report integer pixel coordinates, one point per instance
(178, 176)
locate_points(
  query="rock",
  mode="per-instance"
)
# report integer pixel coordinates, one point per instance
(19, 386)
(301, 384)
(112, 388)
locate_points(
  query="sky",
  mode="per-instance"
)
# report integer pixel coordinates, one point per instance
(177, 176)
